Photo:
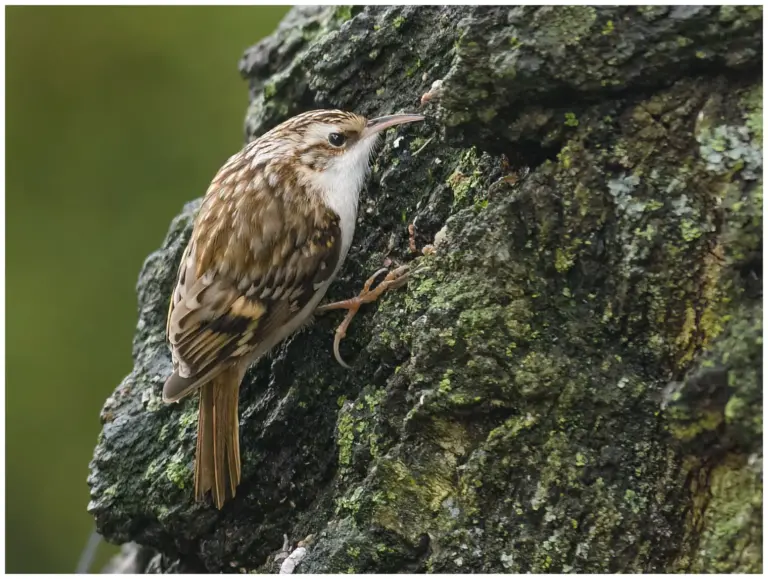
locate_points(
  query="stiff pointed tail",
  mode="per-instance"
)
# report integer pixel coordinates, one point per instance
(217, 464)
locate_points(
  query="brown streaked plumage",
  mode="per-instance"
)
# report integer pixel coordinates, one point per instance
(274, 227)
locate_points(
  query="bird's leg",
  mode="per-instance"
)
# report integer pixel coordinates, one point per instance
(395, 279)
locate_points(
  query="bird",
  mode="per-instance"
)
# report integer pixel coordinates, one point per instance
(271, 234)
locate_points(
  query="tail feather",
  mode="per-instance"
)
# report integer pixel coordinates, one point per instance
(217, 466)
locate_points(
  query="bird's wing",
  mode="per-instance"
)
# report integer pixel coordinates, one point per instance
(238, 284)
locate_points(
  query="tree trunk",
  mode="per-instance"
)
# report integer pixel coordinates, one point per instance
(570, 382)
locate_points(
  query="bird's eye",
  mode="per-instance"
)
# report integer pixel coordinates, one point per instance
(337, 139)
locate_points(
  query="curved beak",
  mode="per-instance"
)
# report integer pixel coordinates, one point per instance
(375, 126)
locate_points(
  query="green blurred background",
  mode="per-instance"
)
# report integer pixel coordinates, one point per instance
(115, 116)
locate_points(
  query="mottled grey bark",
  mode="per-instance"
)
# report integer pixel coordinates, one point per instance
(571, 382)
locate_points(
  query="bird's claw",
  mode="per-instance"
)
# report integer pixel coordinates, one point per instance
(394, 279)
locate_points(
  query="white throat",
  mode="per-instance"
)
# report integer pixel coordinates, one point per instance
(341, 184)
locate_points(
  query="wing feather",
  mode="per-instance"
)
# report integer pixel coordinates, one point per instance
(222, 311)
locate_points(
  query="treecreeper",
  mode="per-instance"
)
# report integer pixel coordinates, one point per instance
(273, 230)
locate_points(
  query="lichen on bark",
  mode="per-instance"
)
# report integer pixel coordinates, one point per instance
(570, 382)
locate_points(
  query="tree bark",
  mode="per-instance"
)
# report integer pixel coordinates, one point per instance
(570, 382)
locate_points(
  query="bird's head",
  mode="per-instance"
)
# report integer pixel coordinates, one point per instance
(326, 153)
(325, 145)
(331, 139)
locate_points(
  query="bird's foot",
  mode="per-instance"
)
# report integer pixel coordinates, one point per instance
(395, 279)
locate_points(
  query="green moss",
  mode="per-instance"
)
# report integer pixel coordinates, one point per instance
(412, 499)
(152, 470)
(188, 418)
(398, 22)
(350, 503)
(481, 204)
(563, 260)
(416, 143)
(425, 287)
(270, 90)
(608, 28)
(465, 178)
(445, 383)
(537, 372)
(310, 31)
(177, 470)
(735, 408)
(571, 120)
(357, 430)
(566, 25)
(346, 438)
(727, 496)
(343, 13)
(411, 70)
(633, 500)
(690, 230)
(653, 205)
(374, 399)
(740, 16)
(733, 507)
(111, 491)
(752, 104)
(154, 402)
